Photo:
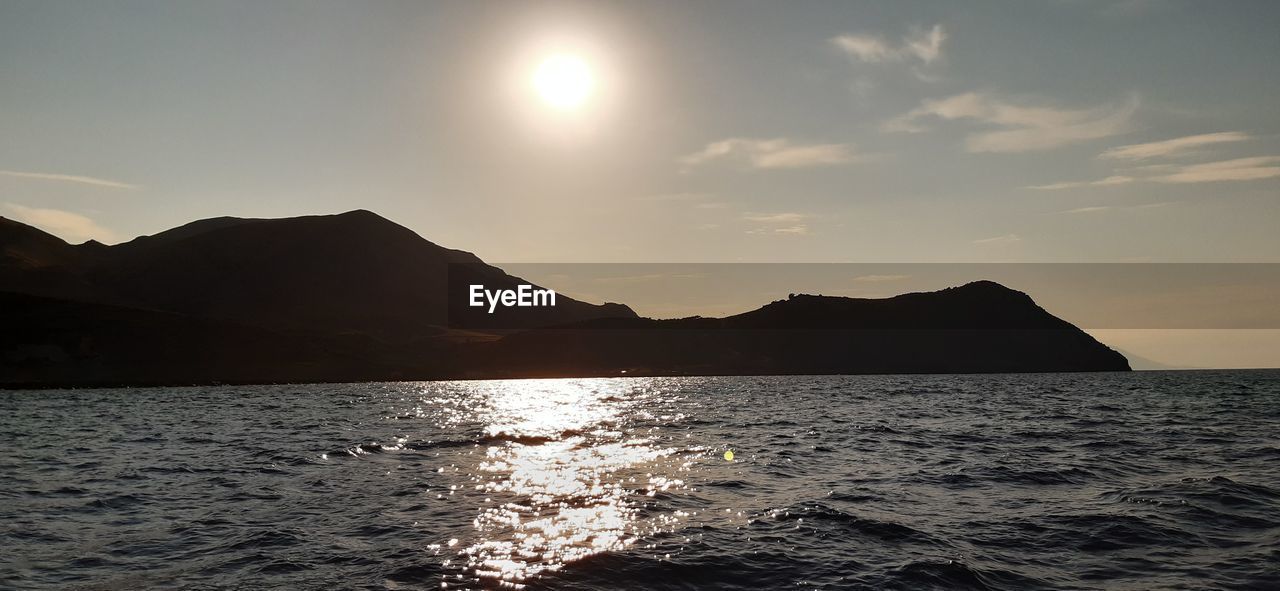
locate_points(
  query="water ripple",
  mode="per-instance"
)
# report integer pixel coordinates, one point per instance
(1143, 480)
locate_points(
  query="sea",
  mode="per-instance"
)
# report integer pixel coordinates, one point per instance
(1143, 480)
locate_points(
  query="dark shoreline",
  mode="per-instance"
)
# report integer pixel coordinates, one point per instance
(149, 385)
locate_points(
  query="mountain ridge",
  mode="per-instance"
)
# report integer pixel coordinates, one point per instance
(354, 296)
(349, 271)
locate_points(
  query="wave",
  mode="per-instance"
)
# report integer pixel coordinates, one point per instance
(821, 516)
(953, 574)
(987, 475)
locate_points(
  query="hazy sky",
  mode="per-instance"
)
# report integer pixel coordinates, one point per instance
(1068, 130)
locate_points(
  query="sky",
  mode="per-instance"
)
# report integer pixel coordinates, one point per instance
(744, 131)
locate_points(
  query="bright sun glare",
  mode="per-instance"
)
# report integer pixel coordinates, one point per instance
(563, 81)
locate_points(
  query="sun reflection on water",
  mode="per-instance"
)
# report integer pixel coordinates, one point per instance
(567, 468)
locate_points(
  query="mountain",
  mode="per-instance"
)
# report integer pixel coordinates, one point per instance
(23, 247)
(355, 297)
(352, 272)
(56, 342)
(33, 261)
(980, 327)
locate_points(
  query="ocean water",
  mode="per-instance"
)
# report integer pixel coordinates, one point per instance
(1053, 481)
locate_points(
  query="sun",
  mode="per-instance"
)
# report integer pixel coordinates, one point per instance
(564, 81)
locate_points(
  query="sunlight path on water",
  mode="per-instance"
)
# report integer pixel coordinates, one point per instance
(1142, 480)
(565, 473)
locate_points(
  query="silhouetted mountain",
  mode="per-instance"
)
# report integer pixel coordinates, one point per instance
(349, 272)
(977, 305)
(32, 261)
(978, 327)
(63, 342)
(356, 297)
(23, 247)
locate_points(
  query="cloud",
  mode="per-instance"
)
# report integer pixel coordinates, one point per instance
(1171, 147)
(880, 278)
(1238, 169)
(1102, 208)
(694, 200)
(663, 197)
(71, 227)
(773, 153)
(796, 230)
(778, 223)
(1025, 128)
(1006, 239)
(922, 45)
(774, 218)
(647, 278)
(68, 178)
(1107, 182)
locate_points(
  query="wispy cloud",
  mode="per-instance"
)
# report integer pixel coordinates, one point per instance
(778, 223)
(1105, 208)
(663, 197)
(1006, 239)
(880, 278)
(694, 200)
(1171, 147)
(775, 218)
(919, 44)
(71, 227)
(647, 278)
(1024, 128)
(1239, 169)
(1236, 169)
(1106, 182)
(68, 178)
(773, 153)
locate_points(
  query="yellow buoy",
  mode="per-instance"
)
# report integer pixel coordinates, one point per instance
(728, 456)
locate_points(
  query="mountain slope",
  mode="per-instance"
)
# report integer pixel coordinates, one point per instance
(55, 342)
(25, 247)
(979, 327)
(354, 271)
(355, 297)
